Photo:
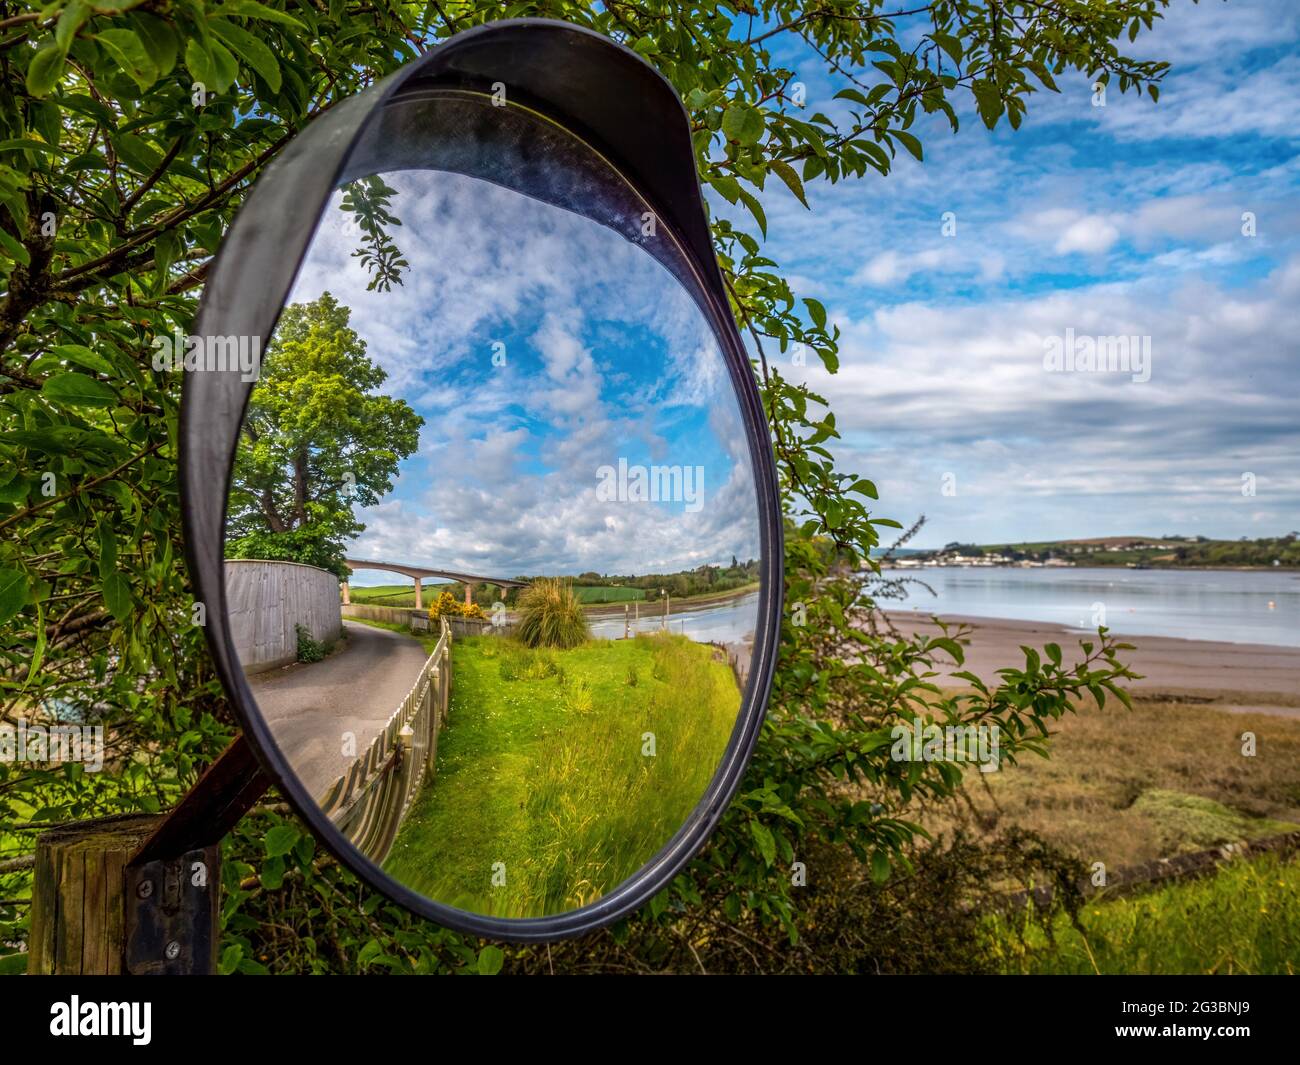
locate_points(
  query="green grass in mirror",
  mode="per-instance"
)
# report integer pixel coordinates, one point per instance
(608, 595)
(546, 795)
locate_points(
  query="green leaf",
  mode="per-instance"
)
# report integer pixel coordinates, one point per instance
(743, 123)
(224, 64)
(252, 9)
(763, 838)
(138, 154)
(16, 490)
(909, 142)
(71, 19)
(230, 959)
(880, 865)
(44, 70)
(117, 595)
(280, 840)
(129, 52)
(14, 591)
(78, 390)
(38, 652)
(107, 550)
(13, 964)
(14, 248)
(252, 51)
(272, 874)
(816, 312)
(200, 65)
(83, 356)
(756, 209)
(787, 173)
(490, 960)
(727, 187)
(160, 41)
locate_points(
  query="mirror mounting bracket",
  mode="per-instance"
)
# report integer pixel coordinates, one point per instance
(210, 809)
(173, 881)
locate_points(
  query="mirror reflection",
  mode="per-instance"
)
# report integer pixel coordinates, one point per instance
(492, 543)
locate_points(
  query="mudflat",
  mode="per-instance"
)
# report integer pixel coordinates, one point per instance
(1241, 676)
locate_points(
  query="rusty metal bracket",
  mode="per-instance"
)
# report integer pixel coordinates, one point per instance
(171, 914)
(173, 882)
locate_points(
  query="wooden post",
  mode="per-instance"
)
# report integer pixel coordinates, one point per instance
(434, 712)
(446, 671)
(79, 895)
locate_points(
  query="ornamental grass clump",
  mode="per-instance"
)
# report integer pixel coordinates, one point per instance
(551, 616)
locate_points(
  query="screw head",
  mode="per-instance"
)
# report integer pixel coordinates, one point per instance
(173, 950)
(145, 889)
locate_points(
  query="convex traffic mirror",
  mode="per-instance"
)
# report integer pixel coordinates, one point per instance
(478, 489)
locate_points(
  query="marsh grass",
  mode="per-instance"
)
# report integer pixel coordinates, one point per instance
(1244, 919)
(1168, 777)
(541, 769)
(551, 615)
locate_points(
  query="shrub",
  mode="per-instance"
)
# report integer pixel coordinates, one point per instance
(445, 606)
(310, 649)
(551, 616)
(448, 606)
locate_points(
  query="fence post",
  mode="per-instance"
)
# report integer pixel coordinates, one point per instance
(94, 913)
(79, 896)
(432, 716)
(446, 670)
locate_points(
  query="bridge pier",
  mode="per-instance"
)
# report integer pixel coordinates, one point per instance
(419, 595)
(469, 593)
(347, 594)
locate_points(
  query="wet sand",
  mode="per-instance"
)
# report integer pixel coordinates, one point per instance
(1243, 677)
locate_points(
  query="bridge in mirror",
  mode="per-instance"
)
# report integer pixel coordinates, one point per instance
(422, 573)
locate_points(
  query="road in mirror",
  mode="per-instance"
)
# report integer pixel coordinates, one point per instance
(492, 543)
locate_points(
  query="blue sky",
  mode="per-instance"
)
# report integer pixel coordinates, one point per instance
(539, 347)
(1117, 220)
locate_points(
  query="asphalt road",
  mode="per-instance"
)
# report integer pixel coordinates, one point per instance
(310, 707)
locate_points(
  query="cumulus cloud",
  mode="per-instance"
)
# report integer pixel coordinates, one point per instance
(599, 355)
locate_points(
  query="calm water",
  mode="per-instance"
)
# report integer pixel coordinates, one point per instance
(1256, 606)
(729, 622)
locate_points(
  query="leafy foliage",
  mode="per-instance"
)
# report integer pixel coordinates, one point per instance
(316, 440)
(310, 649)
(129, 134)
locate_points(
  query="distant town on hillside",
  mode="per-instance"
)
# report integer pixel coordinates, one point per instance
(1133, 552)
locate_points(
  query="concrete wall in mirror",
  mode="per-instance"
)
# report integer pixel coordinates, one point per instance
(502, 438)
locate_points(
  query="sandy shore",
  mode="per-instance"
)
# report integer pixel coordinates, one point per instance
(1242, 677)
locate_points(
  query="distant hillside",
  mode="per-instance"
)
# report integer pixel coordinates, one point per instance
(1152, 551)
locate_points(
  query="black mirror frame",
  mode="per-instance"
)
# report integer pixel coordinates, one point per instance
(614, 101)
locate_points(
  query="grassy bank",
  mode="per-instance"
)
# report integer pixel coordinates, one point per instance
(1168, 777)
(542, 773)
(1245, 919)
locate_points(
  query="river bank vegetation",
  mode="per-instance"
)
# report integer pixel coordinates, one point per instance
(560, 772)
